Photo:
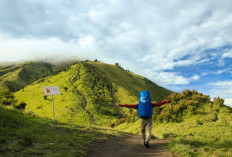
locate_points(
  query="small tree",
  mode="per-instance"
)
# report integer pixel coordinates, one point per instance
(21, 106)
(66, 89)
(217, 101)
(6, 97)
(45, 97)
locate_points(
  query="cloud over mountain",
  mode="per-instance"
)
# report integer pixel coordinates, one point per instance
(152, 38)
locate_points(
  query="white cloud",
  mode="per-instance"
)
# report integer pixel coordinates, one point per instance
(222, 89)
(228, 102)
(158, 35)
(195, 78)
(26, 49)
(222, 84)
(216, 72)
(86, 41)
(227, 54)
(168, 78)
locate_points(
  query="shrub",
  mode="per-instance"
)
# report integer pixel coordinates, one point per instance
(6, 97)
(201, 98)
(26, 141)
(192, 103)
(191, 110)
(21, 106)
(45, 97)
(218, 102)
(186, 93)
(194, 91)
(186, 103)
(66, 89)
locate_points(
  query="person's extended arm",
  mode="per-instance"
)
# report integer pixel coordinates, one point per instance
(159, 103)
(135, 106)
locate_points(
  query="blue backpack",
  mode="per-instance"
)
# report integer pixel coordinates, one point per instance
(144, 107)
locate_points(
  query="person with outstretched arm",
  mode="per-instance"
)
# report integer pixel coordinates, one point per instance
(145, 111)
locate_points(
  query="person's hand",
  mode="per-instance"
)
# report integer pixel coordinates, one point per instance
(168, 101)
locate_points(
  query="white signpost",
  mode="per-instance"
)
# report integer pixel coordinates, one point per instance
(52, 91)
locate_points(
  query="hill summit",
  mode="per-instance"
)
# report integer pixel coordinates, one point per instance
(90, 93)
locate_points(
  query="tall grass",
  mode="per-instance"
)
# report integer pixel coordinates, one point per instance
(23, 135)
(195, 125)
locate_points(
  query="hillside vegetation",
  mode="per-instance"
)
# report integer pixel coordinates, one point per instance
(196, 125)
(16, 77)
(90, 94)
(24, 135)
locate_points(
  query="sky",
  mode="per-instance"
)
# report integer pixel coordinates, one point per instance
(178, 44)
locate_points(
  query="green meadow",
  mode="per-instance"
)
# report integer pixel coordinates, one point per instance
(195, 125)
(26, 135)
(90, 94)
(88, 110)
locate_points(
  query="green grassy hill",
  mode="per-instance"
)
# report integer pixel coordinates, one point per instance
(24, 135)
(130, 84)
(16, 77)
(195, 125)
(8, 65)
(90, 94)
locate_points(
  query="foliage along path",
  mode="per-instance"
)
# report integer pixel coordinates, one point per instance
(128, 145)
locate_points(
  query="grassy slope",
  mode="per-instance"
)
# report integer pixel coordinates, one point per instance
(197, 126)
(191, 139)
(65, 104)
(203, 128)
(92, 94)
(17, 77)
(6, 69)
(129, 84)
(23, 135)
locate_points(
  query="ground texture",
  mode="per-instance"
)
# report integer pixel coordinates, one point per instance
(128, 145)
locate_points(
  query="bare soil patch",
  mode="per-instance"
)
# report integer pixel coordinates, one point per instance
(129, 145)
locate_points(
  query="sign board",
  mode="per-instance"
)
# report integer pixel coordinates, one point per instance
(51, 90)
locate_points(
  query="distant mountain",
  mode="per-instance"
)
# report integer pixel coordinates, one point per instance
(90, 93)
(15, 77)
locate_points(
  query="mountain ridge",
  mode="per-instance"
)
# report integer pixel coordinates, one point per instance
(90, 89)
(90, 96)
(14, 77)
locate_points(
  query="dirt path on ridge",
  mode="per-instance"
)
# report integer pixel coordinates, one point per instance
(129, 145)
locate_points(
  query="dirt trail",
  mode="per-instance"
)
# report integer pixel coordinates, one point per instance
(129, 145)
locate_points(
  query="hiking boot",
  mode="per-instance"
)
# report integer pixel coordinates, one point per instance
(147, 145)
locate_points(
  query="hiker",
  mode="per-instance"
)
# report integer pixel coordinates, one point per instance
(145, 111)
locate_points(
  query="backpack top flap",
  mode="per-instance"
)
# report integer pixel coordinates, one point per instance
(144, 106)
